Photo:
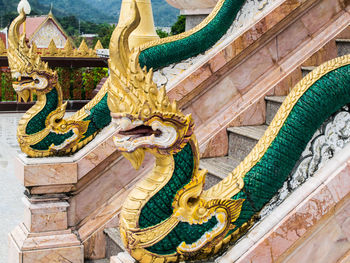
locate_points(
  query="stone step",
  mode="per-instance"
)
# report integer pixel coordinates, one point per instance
(105, 260)
(273, 103)
(218, 168)
(123, 257)
(114, 242)
(243, 139)
(307, 70)
(343, 46)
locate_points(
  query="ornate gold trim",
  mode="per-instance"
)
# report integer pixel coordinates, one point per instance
(233, 183)
(67, 52)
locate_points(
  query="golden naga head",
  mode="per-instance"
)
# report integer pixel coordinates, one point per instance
(27, 68)
(144, 115)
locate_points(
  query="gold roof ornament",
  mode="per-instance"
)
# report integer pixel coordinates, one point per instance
(98, 45)
(68, 51)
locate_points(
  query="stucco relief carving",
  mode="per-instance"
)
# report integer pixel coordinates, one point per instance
(47, 32)
(329, 139)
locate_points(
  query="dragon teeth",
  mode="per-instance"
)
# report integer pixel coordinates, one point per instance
(121, 139)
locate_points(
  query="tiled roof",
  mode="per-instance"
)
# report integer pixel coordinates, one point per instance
(32, 24)
(3, 37)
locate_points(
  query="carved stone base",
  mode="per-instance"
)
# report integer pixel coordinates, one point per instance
(44, 235)
(55, 246)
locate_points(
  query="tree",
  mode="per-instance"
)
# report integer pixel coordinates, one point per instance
(179, 26)
(161, 33)
(105, 34)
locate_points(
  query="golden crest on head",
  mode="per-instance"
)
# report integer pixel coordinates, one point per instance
(136, 103)
(21, 57)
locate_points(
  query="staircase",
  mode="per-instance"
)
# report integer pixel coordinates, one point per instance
(242, 139)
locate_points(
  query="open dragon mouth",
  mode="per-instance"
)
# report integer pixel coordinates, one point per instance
(134, 135)
(141, 131)
(24, 80)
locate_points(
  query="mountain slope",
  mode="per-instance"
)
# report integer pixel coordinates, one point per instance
(98, 11)
(164, 14)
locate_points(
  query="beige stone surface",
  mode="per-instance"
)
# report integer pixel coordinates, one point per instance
(45, 217)
(95, 157)
(43, 247)
(339, 184)
(49, 174)
(326, 245)
(345, 258)
(69, 254)
(95, 247)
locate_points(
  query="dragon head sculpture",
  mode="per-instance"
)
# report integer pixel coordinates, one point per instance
(30, 73)
(147, 120)
(144, 115)
(42, 130)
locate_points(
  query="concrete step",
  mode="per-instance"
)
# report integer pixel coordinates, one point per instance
(343, 46)
(122, 258)
(307, 70)
(218, 168)
(97, 261)
(114, 242)
(243, 139)
(273, 103)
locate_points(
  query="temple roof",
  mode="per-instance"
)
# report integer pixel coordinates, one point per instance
(3, 37)
(34, 23)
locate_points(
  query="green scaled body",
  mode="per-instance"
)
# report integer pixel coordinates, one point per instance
(164, 54)
(263, 181)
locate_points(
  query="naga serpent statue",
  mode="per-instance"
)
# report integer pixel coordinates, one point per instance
(43, 132)
(168, 217)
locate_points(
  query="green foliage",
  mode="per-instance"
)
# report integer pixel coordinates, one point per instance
(97, 75)
(7, 91)
(89, 75)
(161, 33)
(70, 24)
(105, 34)
(179, 26)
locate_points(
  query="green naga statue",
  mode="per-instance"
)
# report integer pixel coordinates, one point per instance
(168, 217)
(44, 132)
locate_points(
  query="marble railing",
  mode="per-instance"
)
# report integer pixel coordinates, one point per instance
(311, 225)
(72, 199)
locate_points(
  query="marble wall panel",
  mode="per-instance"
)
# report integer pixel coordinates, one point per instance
(286, 43)
(50, 174)
(320, 14)
(66, 255)
(326, 245)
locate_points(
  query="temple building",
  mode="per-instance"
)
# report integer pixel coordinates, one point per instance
(41, 29)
